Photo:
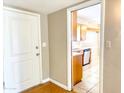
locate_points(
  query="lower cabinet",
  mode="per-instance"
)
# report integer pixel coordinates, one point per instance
(77, 70)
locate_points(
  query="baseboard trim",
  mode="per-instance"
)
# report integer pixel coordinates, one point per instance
(59, 84)
(55, 82)
(45, 80)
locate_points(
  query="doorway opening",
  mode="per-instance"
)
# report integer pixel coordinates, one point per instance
(85, 47)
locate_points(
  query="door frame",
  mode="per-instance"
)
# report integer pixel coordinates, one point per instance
(39, 35)
(1, 46)
(122, 46)
(85, 4)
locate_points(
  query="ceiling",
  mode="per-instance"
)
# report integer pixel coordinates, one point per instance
(90, 14)
(42, 6)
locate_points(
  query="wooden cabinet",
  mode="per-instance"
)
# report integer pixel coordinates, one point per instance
(79, 30)
(83, 30)
(77, 70)
(74, 25)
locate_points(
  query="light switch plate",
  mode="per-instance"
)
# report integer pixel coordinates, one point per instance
(44, 44)
(108, 44)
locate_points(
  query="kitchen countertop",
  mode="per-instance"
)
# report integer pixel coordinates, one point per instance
(77, 53)
(79, 49)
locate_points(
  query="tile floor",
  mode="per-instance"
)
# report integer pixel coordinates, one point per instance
(90, 81)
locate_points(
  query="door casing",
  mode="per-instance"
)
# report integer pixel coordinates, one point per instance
(77, 7)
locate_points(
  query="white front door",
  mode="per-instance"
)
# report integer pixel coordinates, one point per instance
(22, 52)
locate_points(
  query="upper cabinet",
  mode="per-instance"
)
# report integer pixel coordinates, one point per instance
(74, 25)
(83, 30)
(79, 30)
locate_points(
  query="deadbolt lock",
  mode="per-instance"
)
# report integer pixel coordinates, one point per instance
(37, 54)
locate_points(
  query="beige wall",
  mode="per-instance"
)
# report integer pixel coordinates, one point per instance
(112, 56)
(57, 45)
(45, 50)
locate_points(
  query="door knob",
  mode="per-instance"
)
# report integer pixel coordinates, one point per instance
(37, 54)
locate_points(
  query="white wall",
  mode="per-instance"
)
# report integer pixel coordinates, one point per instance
(92, 41)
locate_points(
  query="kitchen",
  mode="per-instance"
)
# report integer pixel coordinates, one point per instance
(85, 49)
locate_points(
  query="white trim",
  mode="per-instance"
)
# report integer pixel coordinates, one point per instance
(84, 5)
(45, 80)
(122, 46)
(59, 84)
(101, 57)
(69, 10)
(69, 50)
(19, 10)
(1, 46)
(55, 82)
(40, 48)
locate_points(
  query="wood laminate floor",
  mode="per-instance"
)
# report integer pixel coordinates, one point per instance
(47, 88)
(89, 84)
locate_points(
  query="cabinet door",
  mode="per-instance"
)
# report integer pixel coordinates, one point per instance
(77, 69)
